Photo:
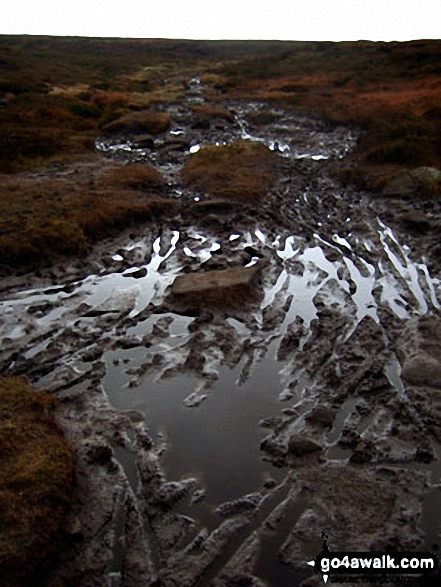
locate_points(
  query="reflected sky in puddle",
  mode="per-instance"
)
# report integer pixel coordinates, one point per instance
(396, 281)
(218, 439)
(292, 137)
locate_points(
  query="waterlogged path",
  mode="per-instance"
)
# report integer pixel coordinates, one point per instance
(214, 449)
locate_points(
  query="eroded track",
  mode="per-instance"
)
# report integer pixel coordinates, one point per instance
(214, 449)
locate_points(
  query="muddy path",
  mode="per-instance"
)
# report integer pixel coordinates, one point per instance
(214, 446)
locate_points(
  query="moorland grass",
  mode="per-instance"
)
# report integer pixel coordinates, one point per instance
(58, 94)
(48, 216)
(242, 171)
(36, 473)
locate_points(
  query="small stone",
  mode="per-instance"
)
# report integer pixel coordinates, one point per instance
(424, 455)
(273, 447)
(300, 446)
(138, 274)
(321, 415)
(99, 454)
(218, 287)
(269, 483)
(144, 441)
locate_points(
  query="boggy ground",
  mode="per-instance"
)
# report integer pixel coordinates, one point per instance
(215, 442)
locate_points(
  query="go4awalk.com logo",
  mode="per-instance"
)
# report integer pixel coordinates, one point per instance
(375, 563)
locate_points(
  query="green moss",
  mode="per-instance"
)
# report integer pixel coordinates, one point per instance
(36, 472)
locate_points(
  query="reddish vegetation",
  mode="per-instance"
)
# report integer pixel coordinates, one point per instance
(57, 95)
(35, 483)
(41, 216)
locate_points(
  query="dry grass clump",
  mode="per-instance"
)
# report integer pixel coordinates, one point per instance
(243, 171)
(137, 176)
(43, 217)
(36, 472)
(391, 90)
(146, 122)
(211, 112)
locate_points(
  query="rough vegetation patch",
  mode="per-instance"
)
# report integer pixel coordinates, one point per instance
(153, 123)
(211, 111)
(36, 471)
(63, 215)
(243, 170)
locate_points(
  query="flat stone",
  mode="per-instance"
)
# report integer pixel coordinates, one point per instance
(144, 142)
(407, 182)
(422, 370)
(222, 286)
(321, 415)
(300, 446)
(416, 221)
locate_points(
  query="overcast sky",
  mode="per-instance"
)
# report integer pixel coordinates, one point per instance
(310, 20)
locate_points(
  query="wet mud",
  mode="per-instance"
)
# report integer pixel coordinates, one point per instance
(215, 443)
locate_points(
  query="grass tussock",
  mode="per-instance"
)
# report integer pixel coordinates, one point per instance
(36, 472)
(212, 112)
(137, 176)
(56, 94)
(244, 171)
(40, 218)
(153, 123)
(392, 91)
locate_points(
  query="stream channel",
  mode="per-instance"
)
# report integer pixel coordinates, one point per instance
(214, 449)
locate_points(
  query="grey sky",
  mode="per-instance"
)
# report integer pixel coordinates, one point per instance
(334, 20)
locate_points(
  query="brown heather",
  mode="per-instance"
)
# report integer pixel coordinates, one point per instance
(36, 466)
(243, 171)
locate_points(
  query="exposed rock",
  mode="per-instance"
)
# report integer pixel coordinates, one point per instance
(144, 142)
(405, 183)
(423, 370)
(415, 221)
(300, 446)
(321, 415)
(175, 144)
(137, 274)
(224, 287)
